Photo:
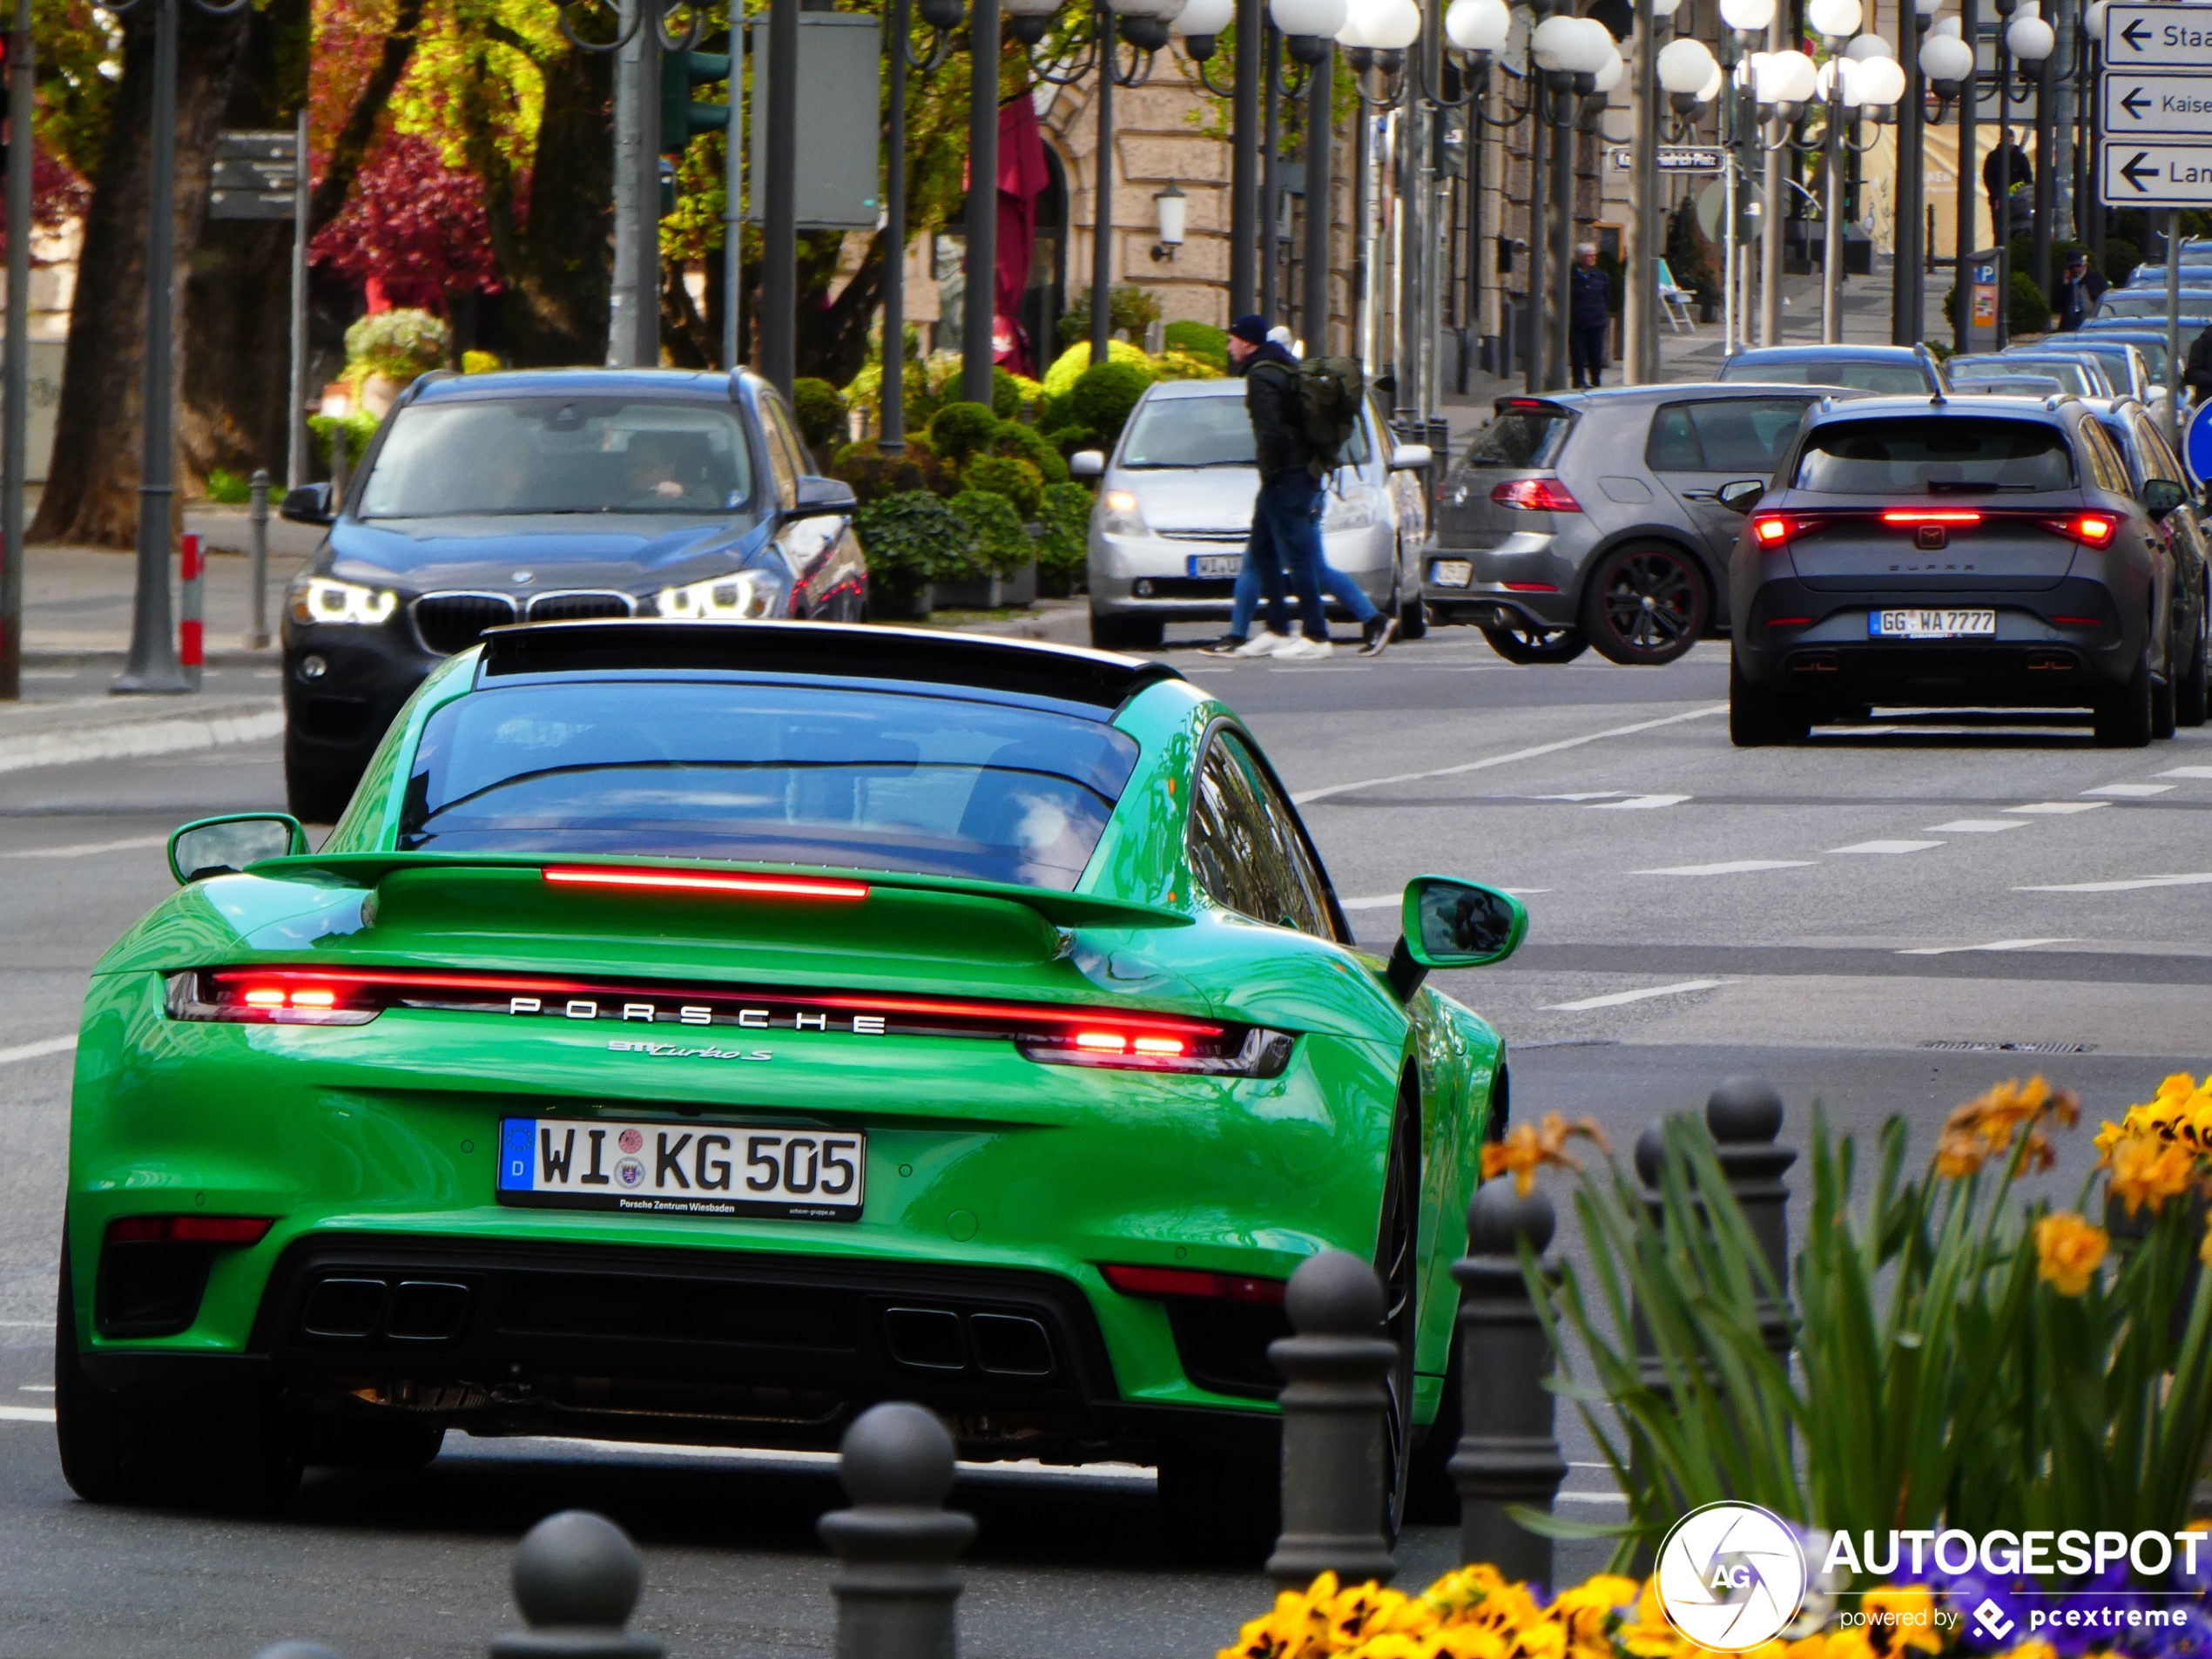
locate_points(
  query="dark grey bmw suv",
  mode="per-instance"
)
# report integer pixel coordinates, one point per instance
(1989, 552)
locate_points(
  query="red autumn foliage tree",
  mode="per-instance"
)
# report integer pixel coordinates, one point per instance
(412, 225)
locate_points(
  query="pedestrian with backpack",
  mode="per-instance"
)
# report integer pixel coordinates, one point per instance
(1301, 415)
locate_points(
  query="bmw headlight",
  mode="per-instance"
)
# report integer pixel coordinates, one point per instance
(741, 594)
(1119, 515)
(325, 599)
(1353, 510)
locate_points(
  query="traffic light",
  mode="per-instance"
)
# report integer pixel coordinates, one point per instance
(680, 118)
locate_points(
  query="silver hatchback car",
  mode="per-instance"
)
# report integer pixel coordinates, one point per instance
(1175, 506)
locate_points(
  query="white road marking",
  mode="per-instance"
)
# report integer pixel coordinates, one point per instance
(1115, 1471)
(28, 1325)
(1975, 826)
(1591, 1497)
(1618, 997)
(1634, 802)
(85, 849)
(26, 1413)
(1999, 944)
(34, 1388)
(2132, 886)
(1591, 794)
(2187, 771)
(2056, 808)
(1488, 761)
(1887, 847)
(38, 1050)
(1734, 866)
(2130, 789)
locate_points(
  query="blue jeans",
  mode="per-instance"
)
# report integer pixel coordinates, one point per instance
(1296, 498)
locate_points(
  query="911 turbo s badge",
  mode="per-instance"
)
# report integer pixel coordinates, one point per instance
(671, 1050)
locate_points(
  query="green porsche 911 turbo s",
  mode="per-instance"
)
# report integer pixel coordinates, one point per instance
(699, 1032)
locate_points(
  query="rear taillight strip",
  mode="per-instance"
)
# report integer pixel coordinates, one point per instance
(1181, 1282)
(1776, 529)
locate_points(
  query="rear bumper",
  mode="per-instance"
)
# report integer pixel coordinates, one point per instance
(1529, 577)
(659, 1345)
(1151, 575)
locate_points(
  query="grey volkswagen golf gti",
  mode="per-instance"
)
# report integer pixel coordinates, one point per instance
(1594, 518)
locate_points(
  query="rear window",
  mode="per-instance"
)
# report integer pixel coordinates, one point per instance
(1745, 435)
(2078, 378)
(782, 774)
(1864, 375)
(1931, 455)
(1521, 438)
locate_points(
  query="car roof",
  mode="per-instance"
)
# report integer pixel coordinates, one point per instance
(1978, 404)
(1662, 392)
(1226, 387)
(1099, 679)
(699, 386)
(1854, 354)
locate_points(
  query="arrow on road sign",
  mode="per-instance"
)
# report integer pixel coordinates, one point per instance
(2135, 34)
(2135, 103)
(2158, 173)
(2134, 172)
(2139, 36)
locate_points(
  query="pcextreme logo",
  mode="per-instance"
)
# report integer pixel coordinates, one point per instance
(1730, 1577)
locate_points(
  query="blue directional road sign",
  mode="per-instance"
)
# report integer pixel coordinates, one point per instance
(2196, 445)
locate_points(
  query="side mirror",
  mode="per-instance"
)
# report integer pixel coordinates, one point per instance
(2161, 496)
(1411, 457)
(1088, 463)
(225, 845)
(1742, 496)
(309, 504)
(1451, 923)
(818, 497)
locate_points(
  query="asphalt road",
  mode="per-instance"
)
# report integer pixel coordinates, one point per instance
(1884, 920)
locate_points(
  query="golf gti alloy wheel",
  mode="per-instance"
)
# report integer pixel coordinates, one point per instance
(1519, 642)
(1645, 605)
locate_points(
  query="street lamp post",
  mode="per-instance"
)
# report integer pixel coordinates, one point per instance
(979, 296)
(1478, 30)
(1907, 292)
(1568, 52)
(1749, 22)
(2031, 41)
(943, 16)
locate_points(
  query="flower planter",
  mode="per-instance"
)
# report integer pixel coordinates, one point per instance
(988, 593)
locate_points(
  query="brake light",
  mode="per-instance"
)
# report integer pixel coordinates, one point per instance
(2092, 530)
(235, 1230)
(2078, 621)
(761, 887)
(1535, 495)
(1184, 1281)
(1770, 530)
(1930, 516)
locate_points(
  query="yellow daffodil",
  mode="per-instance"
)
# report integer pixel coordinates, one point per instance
(2033, 1650)
(1647, 1634)
(2148, 1172)
(2068, 1251)
(1986, 1126)
(1454, 1593)
(1468, 1642)
(1528, 1147)
(1902, 1615)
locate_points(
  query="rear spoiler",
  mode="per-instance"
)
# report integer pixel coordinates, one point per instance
(1061, 909)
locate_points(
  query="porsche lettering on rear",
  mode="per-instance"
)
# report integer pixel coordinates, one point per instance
(752, 1019)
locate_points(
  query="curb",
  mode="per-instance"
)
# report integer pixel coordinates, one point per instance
(75, 657)
(72, 742)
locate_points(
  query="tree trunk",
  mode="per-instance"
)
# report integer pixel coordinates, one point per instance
(238, 303)
(91, 493)
(349, 145)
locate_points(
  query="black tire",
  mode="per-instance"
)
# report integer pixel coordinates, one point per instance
(1398, 1264)
(1521, 644)
(314, 794)
(1412, 614)
(1758, 718)
(2161, 705)
(2123, 716)
(112, 1450)
(1127, 633)
(394, 1444)
(1216, 1506)
(2190, 684)
(1644, 605)
(1431, 1499)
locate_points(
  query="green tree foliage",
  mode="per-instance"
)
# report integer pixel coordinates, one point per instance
(1130, 310)
(2029, 312)
(911, 539)
(1199, 340)
(1026, 443)
(398, 344)
(1064, 551)
(1022, 484)
(998, 544)
(960, 430)
(1104, 394)
(820, 407)
(874, 474)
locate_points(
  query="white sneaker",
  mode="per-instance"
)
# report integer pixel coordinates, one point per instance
(1304, 650)
(1265, 643)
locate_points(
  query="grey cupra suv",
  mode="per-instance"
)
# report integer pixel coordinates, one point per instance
(1594, 518)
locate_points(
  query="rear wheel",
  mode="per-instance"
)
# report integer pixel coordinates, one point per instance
(1216, 1507)
(2189, 686)
(1412, 615)
(1398, 1264)
(2124, 715)
(111, 1451)
(1518, 642)
(2161, 705)
(1645, 605)
(1127, 633)
(392, 1444)
(1758, 717)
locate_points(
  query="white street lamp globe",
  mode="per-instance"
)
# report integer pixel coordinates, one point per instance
(1665, 7)
(2093, 19)
(1751, 16)
(1878, 82)
(1946, 57)
(1478, 25)
(1202, 16)
(1712, 89)
(1924, 8)
(1685, 65)
(1598, 48)
(1747, 69)
(1354, 32)
(1552, 43)
(1865, 46)
(1608, 70)
(1390, 25)
(1029, 7)
(1946, 26)
(2031, 39)
(1322, 17)
(1836, 19)
(1786, 78)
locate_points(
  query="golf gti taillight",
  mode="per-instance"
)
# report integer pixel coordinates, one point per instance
(1536, 495)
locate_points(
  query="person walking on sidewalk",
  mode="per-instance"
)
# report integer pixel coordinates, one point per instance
(1589, 316)
(1286, 520)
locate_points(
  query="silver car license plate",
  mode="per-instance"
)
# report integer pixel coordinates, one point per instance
(1217, 567)
(686, 1169)
(1931, 624)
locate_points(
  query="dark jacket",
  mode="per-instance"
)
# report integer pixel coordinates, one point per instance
(2197, 376)
(2078, 298)
(1590, 291)
(1271, 402)
(1995, 165)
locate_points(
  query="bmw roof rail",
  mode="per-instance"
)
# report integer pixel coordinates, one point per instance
(848, 651)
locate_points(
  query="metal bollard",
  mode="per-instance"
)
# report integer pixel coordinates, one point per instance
(897, 1585)
(1508, 1452)
(1744, 1116)
(577, 1579)
(257, 517)
(192, 631)
(1332, 1424)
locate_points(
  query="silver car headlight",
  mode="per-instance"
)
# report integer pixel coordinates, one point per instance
(325, 599)
(1119, 515)
(1354, 511)
(741, 594)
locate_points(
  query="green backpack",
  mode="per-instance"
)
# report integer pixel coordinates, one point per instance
(1329, 390)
